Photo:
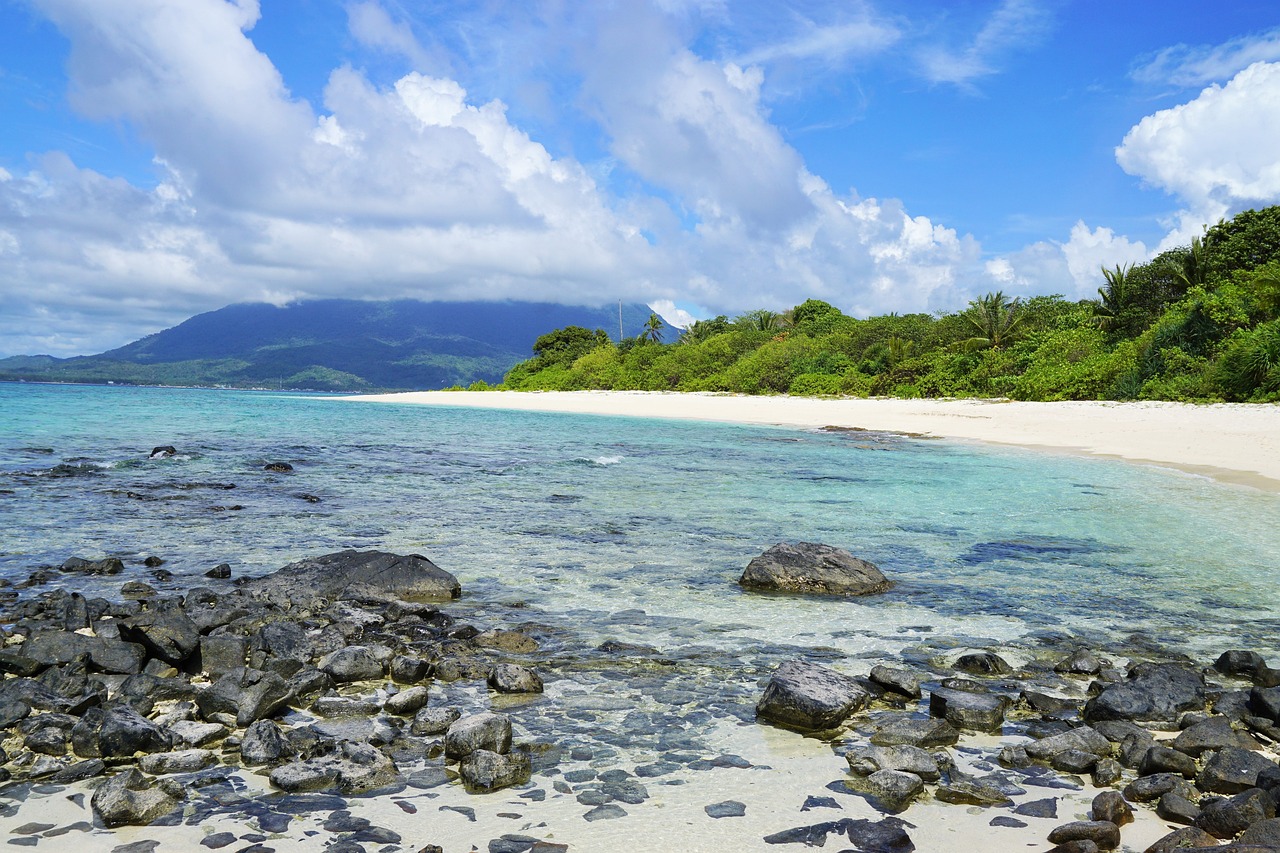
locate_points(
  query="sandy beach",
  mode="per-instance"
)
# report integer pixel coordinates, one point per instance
(1234, 443)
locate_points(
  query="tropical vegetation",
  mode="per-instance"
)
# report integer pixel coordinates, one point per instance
(1196, 323)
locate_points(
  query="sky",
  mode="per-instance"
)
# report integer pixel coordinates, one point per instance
(160, 158)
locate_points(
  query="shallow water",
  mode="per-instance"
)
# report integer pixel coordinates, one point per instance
(581, 516)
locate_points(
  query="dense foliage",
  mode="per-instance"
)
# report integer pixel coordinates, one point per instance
(1199, 323)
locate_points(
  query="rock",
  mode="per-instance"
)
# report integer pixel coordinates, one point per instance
(810, 697)
(263, 743)
(1162, 759)
(1044, 703)
(1134, 748)
(184, 761)
(914, 732)
(728, 808)
(893, 790)
(1147, 788)
(349, 575)
(1110, 806)
(478, 731)
(1103, 833)
(1232, 770)
(1078, 845)
(1074, 761)
(131, 799)
(511, 678)
(353, 768)
(278, 467)
(1265, 702)
(1157, 693)
(1079, 662)
(249, 694)
(1176, 808)
(125, 732)
(1264, 833)
(222, 653)
(1205, 736)
(433, 721)
(1239, 662)
(1226, 819)
(1014, 756)
(971, 792)
(191, 733)
(1046, 808)
(981, 712)
(406, 702)
(106, 655)
(106, 566)
(1083, 739)
(898, 681)
(483, 770)
(911, 759)
(983, 663)
(220, 572)
(163, 451)
(1106, 772)
(809, 567)
(1181, 839)
(167, 634)
(408, 670)
(351, 663)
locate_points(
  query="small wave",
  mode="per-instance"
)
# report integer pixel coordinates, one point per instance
(602, 461)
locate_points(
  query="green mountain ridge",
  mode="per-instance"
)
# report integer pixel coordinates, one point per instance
(331, 345)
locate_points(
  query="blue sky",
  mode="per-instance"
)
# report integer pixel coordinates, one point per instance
(165, 157)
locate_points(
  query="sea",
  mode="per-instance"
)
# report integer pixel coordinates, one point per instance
(575, 519)
(580, 530)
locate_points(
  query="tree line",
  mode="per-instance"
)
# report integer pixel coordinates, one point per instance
(1197, 323)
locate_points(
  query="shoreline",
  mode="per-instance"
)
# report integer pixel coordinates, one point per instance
(1233, 443)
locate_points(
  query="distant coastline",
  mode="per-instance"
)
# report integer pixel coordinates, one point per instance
(1236, 443)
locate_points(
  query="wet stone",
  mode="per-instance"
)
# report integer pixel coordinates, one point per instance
(914, 732)
(1109, 805)
(1039, 808)
(605, 812)
(218, 840)
(728, 808)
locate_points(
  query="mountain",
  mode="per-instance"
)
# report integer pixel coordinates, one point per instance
(333, 345)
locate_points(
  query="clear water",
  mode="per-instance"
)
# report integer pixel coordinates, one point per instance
(583, 521)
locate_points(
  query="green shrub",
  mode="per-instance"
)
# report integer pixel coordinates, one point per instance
(816, 385)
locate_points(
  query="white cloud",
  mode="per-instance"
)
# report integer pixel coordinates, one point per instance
(1013, 26)
(1187, 66)
(828, 43)
(1216, 153)
(674, 315)
(371, 25)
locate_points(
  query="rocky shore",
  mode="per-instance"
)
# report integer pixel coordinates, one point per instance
(261, 712)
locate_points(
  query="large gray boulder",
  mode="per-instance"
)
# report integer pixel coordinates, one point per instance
(1154, 693)
(249, 694)
(107, 655)
(810, 697)
(809, 567)
(484, 771)
(485, 730)
(355, 575)
(132, 799)
(353, 768)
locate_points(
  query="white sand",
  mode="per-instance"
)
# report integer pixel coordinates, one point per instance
(1233, 442)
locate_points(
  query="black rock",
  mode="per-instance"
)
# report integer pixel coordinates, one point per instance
(129, 798)
(124, 732)
(983, 663)
(277, 467)
(809, 697)
(355, 575)
(166, 633)
(1039, 808)
(104, 654)
(105, 566)
(1228, 818)
(512, 678)
(1153, 693)
(163, 451)
(1176, 808)
(249, 694)
(982, 712)
(222, 571)
(810, 567)
(1232, 770)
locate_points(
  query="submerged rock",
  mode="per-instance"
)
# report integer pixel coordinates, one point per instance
(351, 575)
(810, 567)
(131, 799)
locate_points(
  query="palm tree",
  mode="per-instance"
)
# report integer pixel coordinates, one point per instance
(997, 319)
(653, 329)
(1192, 269)
(702, 330)
(1113, 297)
(762, 321)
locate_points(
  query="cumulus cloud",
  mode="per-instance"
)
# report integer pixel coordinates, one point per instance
(1216, 152)
(418, 189)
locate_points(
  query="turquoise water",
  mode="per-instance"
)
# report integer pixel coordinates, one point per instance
(585, 521)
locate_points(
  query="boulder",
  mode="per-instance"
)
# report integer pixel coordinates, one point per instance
(351, 575)
(1181, 839)
(914, 732)
(407, 701)
(983, 663)
(981, 712)
(809, 567)
(512, 678)
(249, 694)
(263, 743)
(352, 663)
(1103, 833)
(183, 761)
(483, 770)
(105, 566)
(966, 791)
(106, 655)
(1083, 739)
(1162, 759)
(1111, 806)
(1156, 693)
(897, 681)
(478, 731)
(353, 768)
(910, 759)
(405, 669)
(810, 697)
(433, 721)
(1232, 770)
(1176, 808)
(167, 634)
(1206, 736)
(125, 732)
(131, 799)
(1226, 819)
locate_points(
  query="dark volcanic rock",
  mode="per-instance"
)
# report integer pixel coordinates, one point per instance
(1232, 770)
(1228, 818)
(167, 634)
(131, 799)
(983, 663)
(1103, 833)
(355, 575)
(249, 694)
(1207, 735)
(479, 731)
(809, 567)
(512, 678)
(104, 654)
(977, 711)
(810, 697)
(106, 566)
(897, 680)
(1111, 806)
(124, 732)
(263, 743)
(483, 770)
(913, 732)
(1181, 839)
(1155, 692)
(1083, 739)
(1162, 759)
(351, 663)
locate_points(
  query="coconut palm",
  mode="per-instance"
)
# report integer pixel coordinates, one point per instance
(653, 329)
(762, 321)
(1114, 297)
(997, 319)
